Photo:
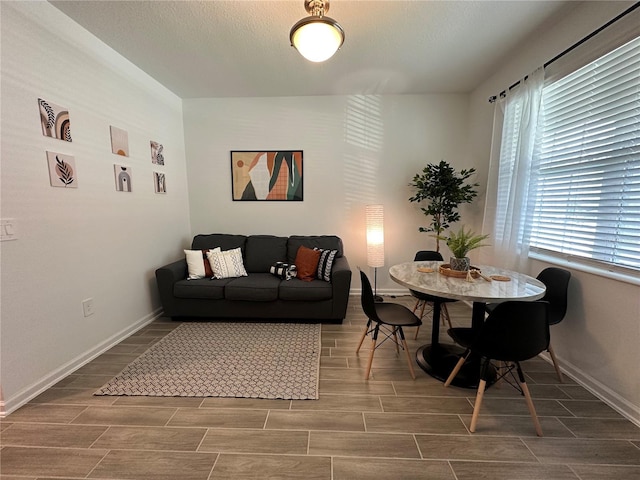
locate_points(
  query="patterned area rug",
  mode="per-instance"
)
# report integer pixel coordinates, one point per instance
(212, 359)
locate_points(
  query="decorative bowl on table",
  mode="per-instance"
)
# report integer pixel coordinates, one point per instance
(445, 269)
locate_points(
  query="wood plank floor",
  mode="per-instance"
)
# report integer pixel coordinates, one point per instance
(389, 427)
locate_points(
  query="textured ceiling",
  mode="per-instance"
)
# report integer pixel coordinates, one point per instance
(241, 48)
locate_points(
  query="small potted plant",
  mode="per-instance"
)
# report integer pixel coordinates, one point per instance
(460, 243)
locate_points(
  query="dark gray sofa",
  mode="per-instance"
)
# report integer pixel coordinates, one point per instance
(260, 295)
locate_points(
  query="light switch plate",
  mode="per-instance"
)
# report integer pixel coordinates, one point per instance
(8, 229)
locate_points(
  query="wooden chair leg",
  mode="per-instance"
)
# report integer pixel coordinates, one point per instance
(424, 304)
(527, 397)
(532, 409)
(500, 368)
(373, 350)
(457, 368)
(406, 351)
(395, 340)
(477, 404)
(415, 307)
(555, 363)
(444, 313)
(409, 359)
(364, 334)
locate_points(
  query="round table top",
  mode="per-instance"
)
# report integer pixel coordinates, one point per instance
(519, 286)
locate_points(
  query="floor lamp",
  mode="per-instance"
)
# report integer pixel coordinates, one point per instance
(375, 242)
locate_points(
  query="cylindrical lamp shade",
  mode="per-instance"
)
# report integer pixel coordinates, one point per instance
(375, 235)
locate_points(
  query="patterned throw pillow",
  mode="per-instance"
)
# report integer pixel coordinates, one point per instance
(198, 264)
(325, 263)
(227, 264)
(283, 271)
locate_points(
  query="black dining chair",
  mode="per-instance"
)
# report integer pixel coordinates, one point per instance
(556, 281)
(424, 299)
(387, 318)
(514, 331)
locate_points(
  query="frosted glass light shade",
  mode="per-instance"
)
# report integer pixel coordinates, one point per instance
(317, 38)
(375, 235)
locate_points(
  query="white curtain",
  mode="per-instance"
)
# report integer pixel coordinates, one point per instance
(510, 200)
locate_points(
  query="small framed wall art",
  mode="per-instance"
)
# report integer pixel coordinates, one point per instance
(159, 182)
(119, 141)
(122, 175)
(269, 175)
(157, 157)
(54, 120)
(62, 170)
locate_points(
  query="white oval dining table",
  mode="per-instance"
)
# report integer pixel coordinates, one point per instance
(438, 359)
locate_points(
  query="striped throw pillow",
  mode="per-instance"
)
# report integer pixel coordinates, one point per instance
(325, 263)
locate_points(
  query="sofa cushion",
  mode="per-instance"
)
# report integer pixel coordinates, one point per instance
(203, 288)
(257, 287)
(262, 251)
(297, 290)
(222, 240)
(323, 242)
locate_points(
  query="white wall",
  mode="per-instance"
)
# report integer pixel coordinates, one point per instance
(598, 341)
(96, 242)
(86, 242)
(357, 150)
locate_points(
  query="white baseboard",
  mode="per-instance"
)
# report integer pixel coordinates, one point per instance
(387, 292)
(604, 393)
(27, 394)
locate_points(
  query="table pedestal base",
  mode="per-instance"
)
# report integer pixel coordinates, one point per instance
(438, 361)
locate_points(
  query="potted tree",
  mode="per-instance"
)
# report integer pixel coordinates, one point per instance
(444, 189)
(461, 243)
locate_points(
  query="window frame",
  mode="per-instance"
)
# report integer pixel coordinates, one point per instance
(621, 272)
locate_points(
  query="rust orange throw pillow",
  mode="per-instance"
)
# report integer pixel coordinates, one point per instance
(307, 263)
(207, 266)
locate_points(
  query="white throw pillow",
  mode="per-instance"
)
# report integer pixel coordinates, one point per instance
(195, 263)
(227, 264)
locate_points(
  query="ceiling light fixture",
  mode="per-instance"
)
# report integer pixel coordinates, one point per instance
(317, 37)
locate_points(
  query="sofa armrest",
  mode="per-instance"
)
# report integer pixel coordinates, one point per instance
(166, 277)
(341, 282)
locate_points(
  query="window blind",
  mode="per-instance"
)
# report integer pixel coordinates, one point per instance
(587, 162)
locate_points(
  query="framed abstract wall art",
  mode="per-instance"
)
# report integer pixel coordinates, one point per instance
(62, 170)
(157, 157)
(54, 120)
(119, 141)
(123, 178)
(269, 175)
(159, 182)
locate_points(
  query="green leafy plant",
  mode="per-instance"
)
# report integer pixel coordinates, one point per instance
(444, 189)
(462, 241)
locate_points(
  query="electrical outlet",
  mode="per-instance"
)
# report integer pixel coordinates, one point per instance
(87, 307)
